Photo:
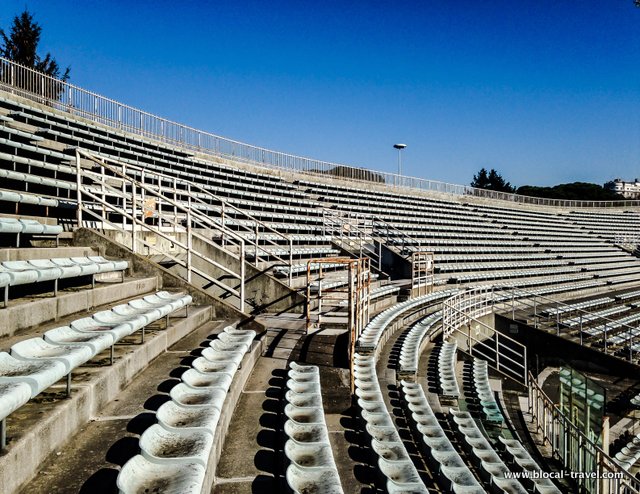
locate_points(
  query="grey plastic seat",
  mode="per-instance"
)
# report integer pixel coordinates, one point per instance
(160, 445)
(140, 476)
(71, 356)
(172, 415)
(38, 374)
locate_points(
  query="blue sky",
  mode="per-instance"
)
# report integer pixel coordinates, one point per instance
(545, 91)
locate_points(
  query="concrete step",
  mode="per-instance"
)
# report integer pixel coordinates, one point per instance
(252, 460)
(43, 426)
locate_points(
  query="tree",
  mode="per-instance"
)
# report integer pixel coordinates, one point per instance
(21, 46)
(578, 191)
(491, 180)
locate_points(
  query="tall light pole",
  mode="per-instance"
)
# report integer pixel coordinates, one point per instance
(399, 147)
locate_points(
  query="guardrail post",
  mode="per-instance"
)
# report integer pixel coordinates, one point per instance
(242, 274)
(290, 261)
(134, 212)
(78, 187)
(189, 237)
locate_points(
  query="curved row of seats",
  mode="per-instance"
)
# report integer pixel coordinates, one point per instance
(393, 460)
(487, 459)
(447, 369)
(312, 467)
(483, 390)
(370, 336)
(13, 273)
(453, 472)
(175, 452)
(36, 363)
(411, 346)
(629, 456)
(521, 457)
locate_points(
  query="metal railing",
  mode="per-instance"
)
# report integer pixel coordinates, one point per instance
(589, 465)
(263, 243)
(569, 321)
(461, 315)
(63, 96)
(110, 198)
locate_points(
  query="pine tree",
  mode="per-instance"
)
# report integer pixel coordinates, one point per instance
(491, 180)
(481, 180)
(21, 46)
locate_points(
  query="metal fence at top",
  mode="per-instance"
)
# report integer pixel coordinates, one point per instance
(60, 95)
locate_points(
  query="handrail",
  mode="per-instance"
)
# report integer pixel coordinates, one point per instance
(135, 210)
(225, 208)
(64, 96)
(577, 452)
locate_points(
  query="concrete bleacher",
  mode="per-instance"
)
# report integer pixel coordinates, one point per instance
(70, 319)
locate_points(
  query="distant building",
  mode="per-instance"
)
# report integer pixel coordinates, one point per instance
(630, 190)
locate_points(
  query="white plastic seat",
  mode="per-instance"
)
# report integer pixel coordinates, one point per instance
(304, 415)
(38, 374)
(160, 445)
(87, 266)
(32, 226)
(10, 225)
(229, 346)
(19, 277)
(64, 271)
(172, 415)
(196, 379)
(65, 335)
(69, 268)
(236, 338)
(403, 473)
(112, 319)
(313, 480)
(90, 325)
(140, 475)
(306, 433)
(203, 365)
(12, 396)
(234, 357)
(71, 356)
(198, 397)
(43, 273)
